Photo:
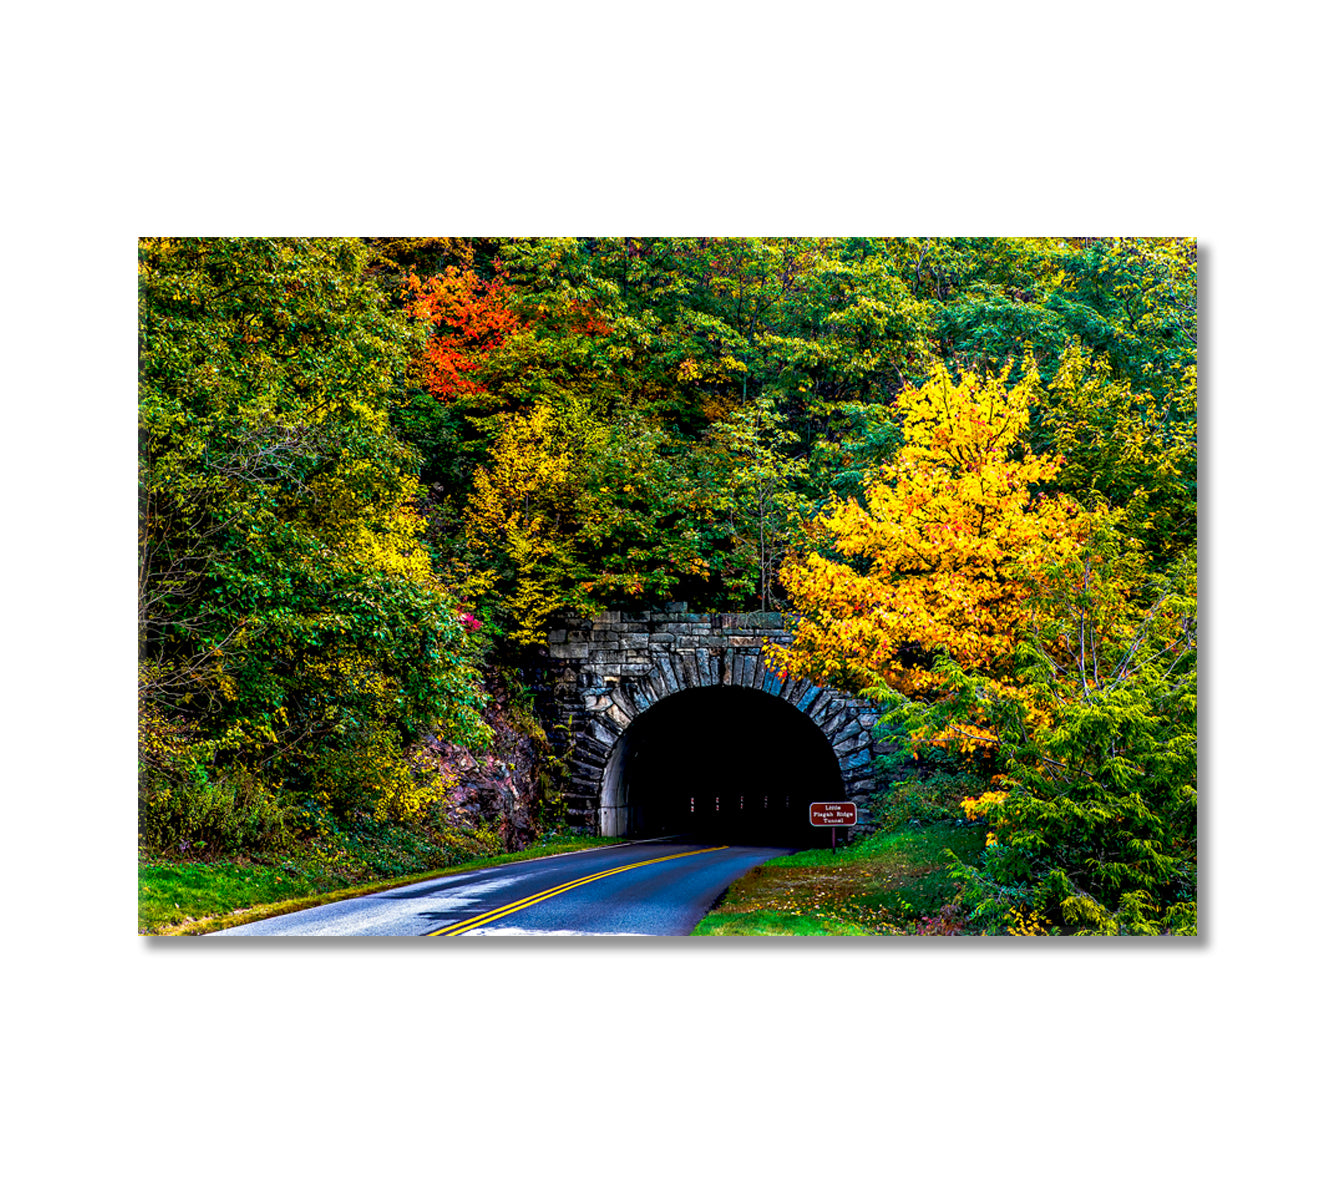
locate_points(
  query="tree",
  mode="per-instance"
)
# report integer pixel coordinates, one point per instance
(761, 497)
(447, 416)
(938, 558)
(1131, 450)
(520, 524)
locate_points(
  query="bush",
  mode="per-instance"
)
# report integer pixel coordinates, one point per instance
(213, 817)
(936, 797)
(428, 843)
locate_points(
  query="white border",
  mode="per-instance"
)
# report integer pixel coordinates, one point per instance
(362, 1071)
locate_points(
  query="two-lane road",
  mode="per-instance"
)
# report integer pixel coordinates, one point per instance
(662, 887)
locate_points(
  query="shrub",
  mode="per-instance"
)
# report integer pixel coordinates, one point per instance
(222, 817)
(936, 797)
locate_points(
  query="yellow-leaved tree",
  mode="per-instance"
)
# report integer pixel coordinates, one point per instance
(938, 557)
(522, 518)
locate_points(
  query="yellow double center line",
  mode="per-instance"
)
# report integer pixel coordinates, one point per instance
(505, 910)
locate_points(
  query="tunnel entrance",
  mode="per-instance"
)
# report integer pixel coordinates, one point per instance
(722, 764)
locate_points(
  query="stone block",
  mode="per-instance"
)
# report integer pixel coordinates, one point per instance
(861, 759)
(588, 754)
(819, 710)
(850, 742)
(833, 722)
(845, 738)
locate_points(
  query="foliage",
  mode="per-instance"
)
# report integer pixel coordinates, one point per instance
(1129, 450)
(936, 560)
(1092, 809)
(520, 523)
(760, 482)
(289, 616)
(646, 358)
(200, 816)
(926, 798)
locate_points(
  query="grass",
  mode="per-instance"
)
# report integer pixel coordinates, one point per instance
(882, 884)
(202, 897)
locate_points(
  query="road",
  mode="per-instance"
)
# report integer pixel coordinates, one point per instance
(661, 887)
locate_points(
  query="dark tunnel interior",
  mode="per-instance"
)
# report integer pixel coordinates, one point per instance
(727, 763)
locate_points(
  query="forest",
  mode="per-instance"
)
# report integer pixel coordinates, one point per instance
(373, 470)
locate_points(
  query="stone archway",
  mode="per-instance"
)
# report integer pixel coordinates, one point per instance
(610, 669)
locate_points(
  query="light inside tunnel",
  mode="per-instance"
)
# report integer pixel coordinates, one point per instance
(720, 763)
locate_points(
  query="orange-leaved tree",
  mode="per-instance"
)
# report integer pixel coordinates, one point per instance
(939, 557)
(470, 320)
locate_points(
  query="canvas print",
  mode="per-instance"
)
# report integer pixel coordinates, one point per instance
(667, 586)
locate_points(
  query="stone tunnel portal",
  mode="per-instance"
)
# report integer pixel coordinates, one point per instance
(723, 763)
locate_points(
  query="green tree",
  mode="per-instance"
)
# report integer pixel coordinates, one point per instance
(762, 496)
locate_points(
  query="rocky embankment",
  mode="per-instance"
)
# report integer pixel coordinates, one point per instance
(500, 786)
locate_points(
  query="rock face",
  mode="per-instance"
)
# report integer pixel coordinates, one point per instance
(497, 786)
(610, 668)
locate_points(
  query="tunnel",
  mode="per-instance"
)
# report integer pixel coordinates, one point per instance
(721, 764)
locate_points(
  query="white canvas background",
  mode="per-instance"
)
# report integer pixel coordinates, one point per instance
(507, 1069)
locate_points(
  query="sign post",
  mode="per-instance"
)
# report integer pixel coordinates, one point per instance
(833, 814)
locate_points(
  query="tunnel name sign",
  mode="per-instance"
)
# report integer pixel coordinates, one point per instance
(834, 814)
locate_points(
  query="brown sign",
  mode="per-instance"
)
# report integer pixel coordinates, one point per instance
(841, 813)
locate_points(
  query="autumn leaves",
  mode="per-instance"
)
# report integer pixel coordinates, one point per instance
(941, 554)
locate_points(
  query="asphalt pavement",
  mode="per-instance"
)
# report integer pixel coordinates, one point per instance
(655, 888)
